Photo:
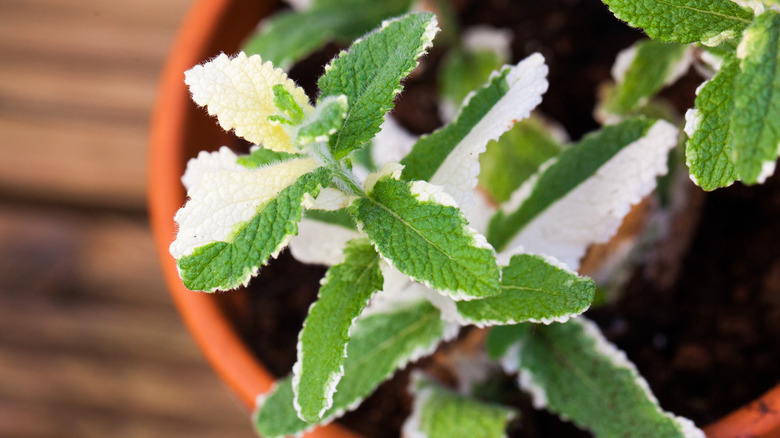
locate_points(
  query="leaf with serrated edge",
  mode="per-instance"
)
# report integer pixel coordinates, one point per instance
(260, 156)
(235, 220)
(380, 344)
(535, 289)
(441, 413)
(572, 370)
(322, 344)
(288, 37)
(449, 157)
(419, 230)
(582, 197)
(755, 123)
(222, 159)
(642, 70)
(239, 91)
(370, 74)
(324, 121)
(684, 21)
(707, 151)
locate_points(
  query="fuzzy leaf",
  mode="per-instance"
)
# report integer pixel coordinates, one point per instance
(289, 37)
(205, 162)
(239, 91)
(325, 121)
(222, 244)
(573, 371)
(381, 343)
(755, 124)
(260, 156)
(707, 151)
(532, 289)
(653, 65)
(322, 344)
(449, 157)
(441, 413)
(582, 197)
(417, 228)
(513, 158)
(339, 218)
(370, 74)
(684, 21)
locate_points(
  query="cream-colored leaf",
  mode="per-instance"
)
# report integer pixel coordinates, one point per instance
(223, 159)
(239, 91)
(320, 243)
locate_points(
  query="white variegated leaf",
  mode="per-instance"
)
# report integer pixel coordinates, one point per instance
(226, 198)
(239, 91)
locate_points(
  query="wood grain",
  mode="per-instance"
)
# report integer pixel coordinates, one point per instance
(90, 344)
(77, 82)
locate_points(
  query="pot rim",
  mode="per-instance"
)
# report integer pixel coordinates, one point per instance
(216, 336)
(214, 333)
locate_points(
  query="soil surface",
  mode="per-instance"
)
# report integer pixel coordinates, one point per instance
(707, 338)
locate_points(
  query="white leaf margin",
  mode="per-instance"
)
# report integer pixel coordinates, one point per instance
(606, 349)
(593, 211)
(459, 172)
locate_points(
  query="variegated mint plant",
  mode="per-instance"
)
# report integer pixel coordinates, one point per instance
(418, 241)
(734, 128)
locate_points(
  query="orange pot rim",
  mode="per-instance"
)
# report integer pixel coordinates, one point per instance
(216, 336)
(214, 333)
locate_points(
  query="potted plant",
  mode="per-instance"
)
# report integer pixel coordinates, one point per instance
(203, 312)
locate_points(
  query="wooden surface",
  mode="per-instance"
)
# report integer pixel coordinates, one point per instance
(90, 345)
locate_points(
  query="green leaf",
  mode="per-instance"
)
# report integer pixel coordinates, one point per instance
(755, 125)
(573, 371)
(517, 155)
(427, 240)
(322, 344)
(441, 413)
(326, 120)
(463, 71)
(370, 74)
(532, 289)
(684, 21)
(291, 112)
(381, 343)
(260, 156)
(573, 167)
(501, 339)
(708, 150)
(227, 265)
(288, 37)
(340, 217)
(654, 65)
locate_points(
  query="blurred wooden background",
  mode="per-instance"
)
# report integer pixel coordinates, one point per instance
(90, 345)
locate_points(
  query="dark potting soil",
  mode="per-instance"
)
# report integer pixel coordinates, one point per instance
(707, 342)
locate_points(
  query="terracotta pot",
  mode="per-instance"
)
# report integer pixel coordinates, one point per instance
(179, 130)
